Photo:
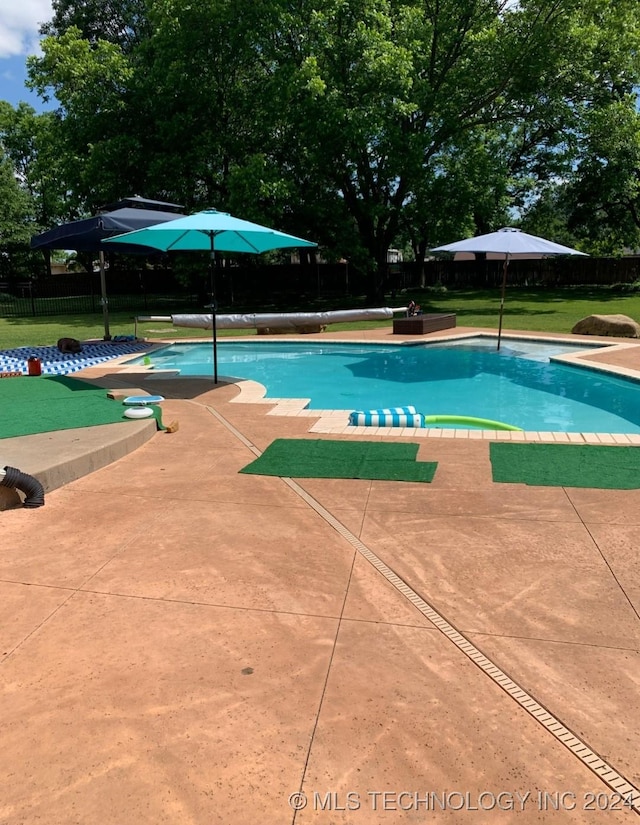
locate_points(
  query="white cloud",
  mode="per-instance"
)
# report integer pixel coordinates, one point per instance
(19, 24)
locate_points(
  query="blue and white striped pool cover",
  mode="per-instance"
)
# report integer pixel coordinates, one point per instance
(55, 362)
(387, 417)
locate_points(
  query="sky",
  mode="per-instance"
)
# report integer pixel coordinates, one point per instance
(19, 24)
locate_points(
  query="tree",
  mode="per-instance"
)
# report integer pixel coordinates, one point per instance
(382, 94)
(548, 216)
(602, 198)
(29, 140)
(355, 122)
(123, 23)
(16, 217)
(91, 127)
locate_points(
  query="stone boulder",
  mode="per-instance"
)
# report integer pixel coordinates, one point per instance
(618, 326)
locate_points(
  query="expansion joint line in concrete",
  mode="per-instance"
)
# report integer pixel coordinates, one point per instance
(629, 793)
(603, 556)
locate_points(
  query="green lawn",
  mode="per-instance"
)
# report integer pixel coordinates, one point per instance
(542, 310)
(44, 331)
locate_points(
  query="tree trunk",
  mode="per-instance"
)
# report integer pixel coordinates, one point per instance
(420, 258)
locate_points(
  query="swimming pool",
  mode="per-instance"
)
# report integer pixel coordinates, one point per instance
(517, 384)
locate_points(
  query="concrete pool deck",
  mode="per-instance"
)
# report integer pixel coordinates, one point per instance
(186, 644)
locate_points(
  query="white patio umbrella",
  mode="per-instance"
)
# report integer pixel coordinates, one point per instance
(504, 245)
(212, 231)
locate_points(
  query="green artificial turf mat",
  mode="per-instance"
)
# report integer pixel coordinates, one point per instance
(566, 465)
(42, 404)
(324, 458)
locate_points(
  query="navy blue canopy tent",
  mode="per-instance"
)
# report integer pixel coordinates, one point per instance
(88, 234)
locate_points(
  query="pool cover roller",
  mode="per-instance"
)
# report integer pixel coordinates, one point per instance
(282, 320)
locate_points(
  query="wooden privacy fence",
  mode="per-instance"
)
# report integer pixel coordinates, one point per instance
(544, 272)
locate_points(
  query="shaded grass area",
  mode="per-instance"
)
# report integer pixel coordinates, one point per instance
(540, 310)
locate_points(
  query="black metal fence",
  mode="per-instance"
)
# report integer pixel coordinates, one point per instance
(162, 291)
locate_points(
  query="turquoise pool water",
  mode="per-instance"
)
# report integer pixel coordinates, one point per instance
(517, 385)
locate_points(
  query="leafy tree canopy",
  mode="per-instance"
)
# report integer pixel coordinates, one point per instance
(359, 123)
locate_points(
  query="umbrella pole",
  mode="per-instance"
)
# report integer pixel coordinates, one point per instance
(213, 313)
(504, 287)
(105, 302)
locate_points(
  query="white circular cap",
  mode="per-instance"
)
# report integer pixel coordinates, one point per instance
(138, 412)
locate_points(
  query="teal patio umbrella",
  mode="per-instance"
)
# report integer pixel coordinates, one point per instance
(211, 231)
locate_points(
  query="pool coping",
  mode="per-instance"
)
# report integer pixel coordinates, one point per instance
(335, 422)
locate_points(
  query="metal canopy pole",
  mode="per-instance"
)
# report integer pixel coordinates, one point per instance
(104, 300)
(504, 287)
(213, 311)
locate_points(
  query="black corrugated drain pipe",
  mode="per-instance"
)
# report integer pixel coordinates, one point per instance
(30, 486)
